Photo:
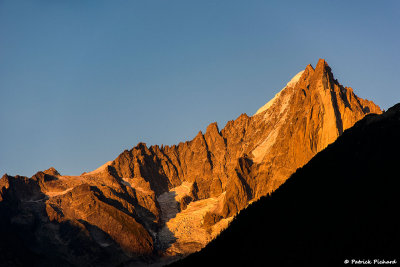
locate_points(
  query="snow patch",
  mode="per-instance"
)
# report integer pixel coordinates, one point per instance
(260, 151)
(184, 232)
(295, 79)
(169, 200)
(135, 184)
(269, 104)
(291, 83)
(100, 169)
(104, 245)
(58, 193)
(125, 182)
(264, 146)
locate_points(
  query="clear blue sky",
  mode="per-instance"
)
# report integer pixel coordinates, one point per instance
(80, 81)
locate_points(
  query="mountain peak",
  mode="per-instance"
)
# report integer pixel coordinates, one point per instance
(213, 127)
(320, 70)
(52, 171)
(321, 63)
(323, 67)
(309, 67)
(332, 105)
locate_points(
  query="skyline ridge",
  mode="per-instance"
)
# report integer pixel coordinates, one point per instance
(322, 65)
(159, 72)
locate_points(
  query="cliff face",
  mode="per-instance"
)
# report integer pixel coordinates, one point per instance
(340, 206)
(172, 200)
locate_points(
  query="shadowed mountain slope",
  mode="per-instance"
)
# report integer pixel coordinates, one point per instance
(341, 205)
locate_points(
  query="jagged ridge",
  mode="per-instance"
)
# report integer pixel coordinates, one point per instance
(340, 206)
(223, 170)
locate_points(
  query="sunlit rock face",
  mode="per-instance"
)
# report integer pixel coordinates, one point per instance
(153, 204)
(341, 203)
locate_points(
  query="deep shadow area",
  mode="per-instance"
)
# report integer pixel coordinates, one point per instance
(169, 209)
(341, 206)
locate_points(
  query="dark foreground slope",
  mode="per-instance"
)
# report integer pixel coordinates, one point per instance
(342, 205)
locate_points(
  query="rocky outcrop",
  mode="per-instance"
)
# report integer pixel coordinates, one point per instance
(172, 200)
(86, 224)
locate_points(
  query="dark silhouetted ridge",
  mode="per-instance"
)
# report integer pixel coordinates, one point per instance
(342, 205)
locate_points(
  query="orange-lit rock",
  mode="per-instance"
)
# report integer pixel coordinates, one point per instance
(172, 200)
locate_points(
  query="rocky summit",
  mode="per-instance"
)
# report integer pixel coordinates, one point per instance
(154, 204)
